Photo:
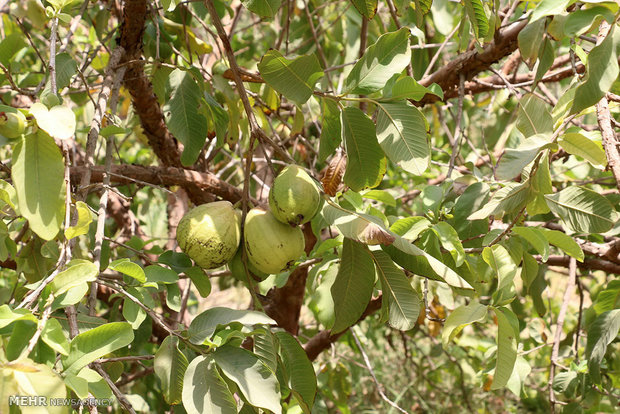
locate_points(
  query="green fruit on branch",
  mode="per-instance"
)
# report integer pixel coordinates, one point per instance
(295, 197)
(272, 246)
(210, 234)
(12, 122)
(238, 271)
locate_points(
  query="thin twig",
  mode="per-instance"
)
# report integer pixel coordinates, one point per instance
(568, 293)
(438, 53)
(458, 132)
(372, 374)
(119, 395)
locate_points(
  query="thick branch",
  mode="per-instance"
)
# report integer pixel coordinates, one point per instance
(205, 182)
(143, 98)
(473, 61)
(322, 340)
(590, 264)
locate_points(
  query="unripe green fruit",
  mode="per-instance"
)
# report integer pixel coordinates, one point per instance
(210, 234)
(272, 247)
(294, 198)
(12, 122)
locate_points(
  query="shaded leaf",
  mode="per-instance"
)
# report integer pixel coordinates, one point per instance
(170, 365)
(365, 160)
(600, 334)
(461, 317)
(582, 210)
(403, 301)
(402, 133)
(256, 382)
(295, 78)
(389, 55)
(352, 289)
(38, 174)
(204, 389)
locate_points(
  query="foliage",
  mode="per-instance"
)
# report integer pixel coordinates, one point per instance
(465, 254)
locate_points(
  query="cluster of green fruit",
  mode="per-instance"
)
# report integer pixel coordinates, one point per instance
(210, 233)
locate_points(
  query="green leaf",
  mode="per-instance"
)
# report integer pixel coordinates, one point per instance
(95, 343)
(365, 160)
(53, 335)
(204, 325)
(450, 241)
(403, 135)
(38, 174)
(403, 301)
(216, 115)
(299, 371)
(580, 21)
(367, 8)
(381, 195)
(59, 121)
(204, 389)
(564, 242)
(256, 382)
(85, 217)
(582, 210)
(265, 348)
(505, 200)
(533, 117)
(66, 67)
(160, 274)
(78, 272)
(408, 88)
(602, 71)
(389, 55)
(609, 298)
(461, 317)
(295, 78)
(354, 284)
(129, 268)
(536, 238)
(200, 280)
(364, 228)
(183, 118)
(498, 258)
(331, 133)
(442, 271)
(541, 185)
(10, 45)
(600, 334)
(507, 338)
(263, 8)
(477, 17)
(474, 198)
(582, 146)
(9, 195)
(170, 365)
(548, 8)
(24, 377)
(513, 161)
(530, 39)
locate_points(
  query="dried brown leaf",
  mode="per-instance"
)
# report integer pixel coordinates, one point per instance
(332, 178)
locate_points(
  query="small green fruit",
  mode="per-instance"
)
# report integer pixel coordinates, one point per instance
(294, 198)
(12, 122)
(272, 246)
(210, 234)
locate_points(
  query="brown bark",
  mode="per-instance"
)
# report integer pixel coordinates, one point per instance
(143, 98)
(322, 340)
(473, 61)
(206, 184)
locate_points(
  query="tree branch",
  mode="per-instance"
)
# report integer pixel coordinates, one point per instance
(205, 182)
